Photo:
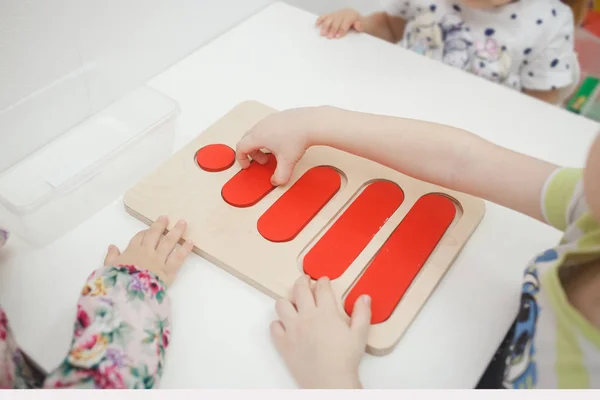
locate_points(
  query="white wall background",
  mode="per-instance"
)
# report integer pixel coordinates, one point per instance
(62, 60)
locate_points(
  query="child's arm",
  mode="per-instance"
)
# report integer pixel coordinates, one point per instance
(381, 25)
(122, 329)
(121, 333)
(442, 155)
(384, 26)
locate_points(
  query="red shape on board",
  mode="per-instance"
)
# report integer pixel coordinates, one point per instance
(215, 157)
(353, 230)
(402, 256)
(297, 207)
(250, 185)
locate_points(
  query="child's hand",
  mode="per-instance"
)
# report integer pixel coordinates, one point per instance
(285, 134)
(321, 348)
(337, 24)
(151, 250)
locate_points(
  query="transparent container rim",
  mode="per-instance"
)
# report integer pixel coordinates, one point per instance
(89, 172)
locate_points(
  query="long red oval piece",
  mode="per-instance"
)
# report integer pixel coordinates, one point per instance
(401, 257)
(250, 185)
(353, 230)
(296, 208)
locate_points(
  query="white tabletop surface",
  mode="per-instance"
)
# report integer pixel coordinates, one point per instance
(220, 324)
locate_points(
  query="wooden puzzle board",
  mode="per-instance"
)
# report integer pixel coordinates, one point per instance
(229, 236)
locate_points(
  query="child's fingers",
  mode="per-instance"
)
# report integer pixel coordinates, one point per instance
(358, 26)
(344, 27)
(283, 171)
(324, 295)
(286, 313)
(325, 27)
(111, 256)
(259, 157)
(153, 235)
(169, 241)
(335, 26)
(361, 317)
(243, 149)
(278, 334)
(302, 296)
(177, 258)
(321, 19)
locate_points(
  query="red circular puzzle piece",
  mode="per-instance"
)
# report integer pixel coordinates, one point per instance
(215, 157)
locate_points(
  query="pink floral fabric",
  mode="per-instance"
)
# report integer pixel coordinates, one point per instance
(121, 334)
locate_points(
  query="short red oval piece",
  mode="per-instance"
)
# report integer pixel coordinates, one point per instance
(250, 185)
(215, 157)
(400, 259)
(286, 218)
(353, 230)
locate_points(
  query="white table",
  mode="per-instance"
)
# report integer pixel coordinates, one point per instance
(220, 337)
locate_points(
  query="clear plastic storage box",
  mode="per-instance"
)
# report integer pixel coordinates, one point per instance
(65, 182)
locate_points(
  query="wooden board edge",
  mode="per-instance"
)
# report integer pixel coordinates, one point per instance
(212, 260)
(385, 349)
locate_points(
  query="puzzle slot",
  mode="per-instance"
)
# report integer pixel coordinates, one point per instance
(250, 185)
(402, 256)
(353, 230)
(215, 157)
(286, 218)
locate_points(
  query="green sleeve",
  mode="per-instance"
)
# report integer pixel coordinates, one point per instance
(558, 195)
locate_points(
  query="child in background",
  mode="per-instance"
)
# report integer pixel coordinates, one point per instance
(122, 327)
(554, 341)
(526, 45)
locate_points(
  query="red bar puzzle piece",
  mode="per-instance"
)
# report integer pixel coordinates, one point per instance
(401, 257)
(250, 185)
(353, 230)
(286, 218)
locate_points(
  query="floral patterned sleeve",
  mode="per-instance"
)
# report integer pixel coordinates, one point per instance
(121, 332)
(121, 335)
(16, 370)
(11, 357)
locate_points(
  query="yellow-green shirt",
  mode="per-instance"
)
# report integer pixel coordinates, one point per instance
(551, 345)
